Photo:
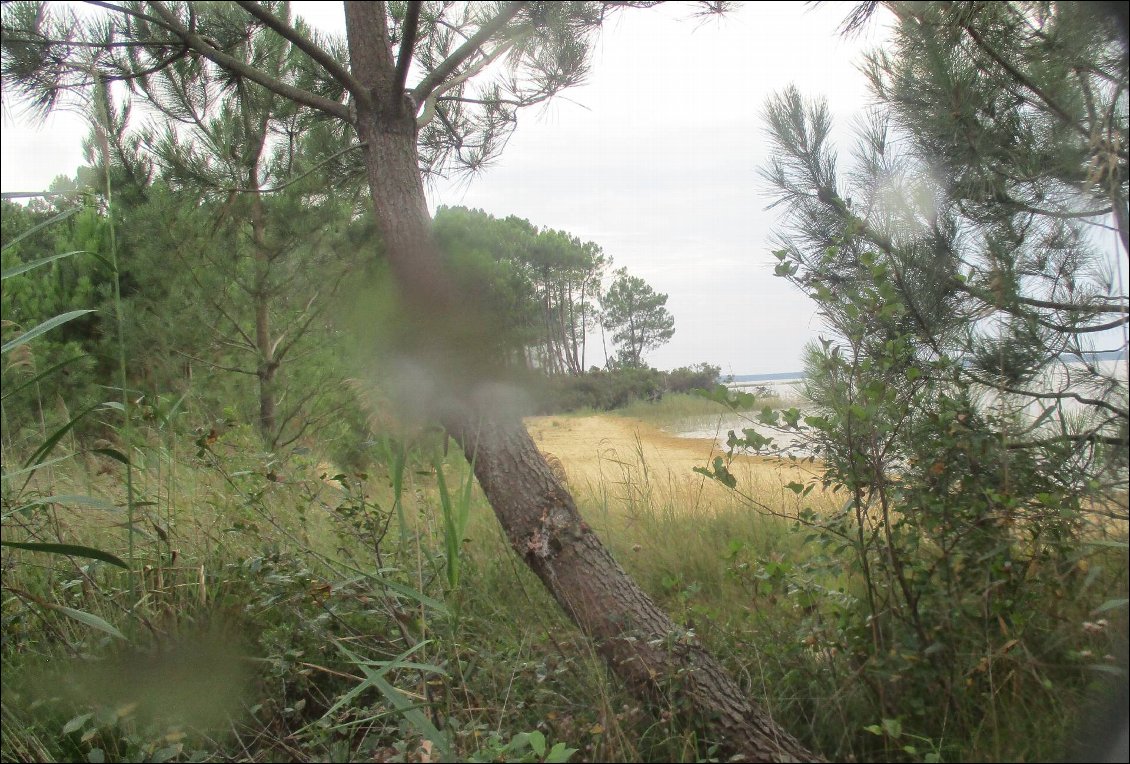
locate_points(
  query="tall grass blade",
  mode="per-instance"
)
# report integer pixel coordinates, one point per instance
(48, 445)
(77, 500)
(16, 270)
(399, 588)
(409, 710)
(397, 662)
(10, 390)
(46, 326)
(102, 124)
(450, 540)
(113, 453)
(34, 467)
(72, 550)
(49, 222)
(455, 514)
(89, 619)
(396, 457)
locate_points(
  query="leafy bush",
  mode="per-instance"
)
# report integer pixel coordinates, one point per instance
(701, 376)
(606, 390)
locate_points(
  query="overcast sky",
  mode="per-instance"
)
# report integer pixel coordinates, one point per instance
(655, 159)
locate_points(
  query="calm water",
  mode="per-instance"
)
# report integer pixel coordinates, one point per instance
(718, 426)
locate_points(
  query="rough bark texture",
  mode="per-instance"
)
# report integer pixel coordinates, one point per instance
(640, 643)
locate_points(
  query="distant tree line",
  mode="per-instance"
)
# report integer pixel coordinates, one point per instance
(227, 294)
(547, 294)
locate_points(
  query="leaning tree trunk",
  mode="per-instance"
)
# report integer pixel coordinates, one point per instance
(641, 644)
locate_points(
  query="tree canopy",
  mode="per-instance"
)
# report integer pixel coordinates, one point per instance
(969, 396)
(974, 224)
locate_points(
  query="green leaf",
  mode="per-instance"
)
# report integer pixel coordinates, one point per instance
(559, 754)
(893, 727)
(46, 326)
(71, 550)
(166, 754)
(537, 742)
(75, 724)
(89, 619)
(1111, 605)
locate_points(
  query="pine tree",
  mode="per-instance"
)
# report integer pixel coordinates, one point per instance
(976, 220)
(637, 316)
(965, 262)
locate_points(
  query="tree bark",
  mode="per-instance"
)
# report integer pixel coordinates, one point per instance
(651, 654)
(642, 646)
(267, 366)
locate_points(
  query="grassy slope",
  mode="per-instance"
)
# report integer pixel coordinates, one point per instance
(255, 578)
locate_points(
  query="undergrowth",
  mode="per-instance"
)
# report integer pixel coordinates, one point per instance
(282, 614)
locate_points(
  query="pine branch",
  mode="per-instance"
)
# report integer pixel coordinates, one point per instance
(407, 44)
(1026, 82)
(1037, 303)
(1120, 217)
(234, 65)
(430, 102)
(1082, 214)
(435, 78)
(1085, 437)
(221, 367)
(161, 65)
(307, 46)
(134, 13)
(295, 179)
(98, 45)
(1084, 329)
(503, 101)
(831, 199)
(1121, 413)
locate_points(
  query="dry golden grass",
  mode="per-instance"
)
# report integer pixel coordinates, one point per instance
(628, 459)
